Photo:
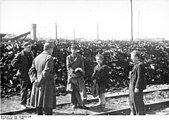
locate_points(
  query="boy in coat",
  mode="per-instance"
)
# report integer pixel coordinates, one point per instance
(137, 85)
(100, 77)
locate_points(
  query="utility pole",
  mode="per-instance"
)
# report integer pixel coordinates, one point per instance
(131, 21)
(138, 24)
(74, 34)
(56, 31)
(97, 31)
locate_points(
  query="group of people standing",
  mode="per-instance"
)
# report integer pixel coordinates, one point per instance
(37, 75)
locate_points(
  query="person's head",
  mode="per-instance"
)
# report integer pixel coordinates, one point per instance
(27, 46)
(135, 56)
(99, 58)
(48, 47)
(74, 49)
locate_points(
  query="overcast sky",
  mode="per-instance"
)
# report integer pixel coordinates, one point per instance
(150, 18)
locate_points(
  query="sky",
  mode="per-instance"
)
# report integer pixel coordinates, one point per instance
(80, 18)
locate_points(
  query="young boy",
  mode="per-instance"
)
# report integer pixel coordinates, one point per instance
(100, 77)
(137, 85)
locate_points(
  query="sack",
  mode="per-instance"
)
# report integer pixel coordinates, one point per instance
(95, 90)
(69, 87)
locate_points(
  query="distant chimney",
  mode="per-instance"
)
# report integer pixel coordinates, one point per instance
(33, 32)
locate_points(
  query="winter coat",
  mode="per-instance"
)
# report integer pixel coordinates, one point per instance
(74, 77)
(43, 95)
(22, 62)
(137, 77)
(137, 80)
(101, 75)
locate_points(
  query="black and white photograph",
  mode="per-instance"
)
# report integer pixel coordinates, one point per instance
(97, 58)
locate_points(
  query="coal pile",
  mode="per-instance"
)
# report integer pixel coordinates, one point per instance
(117, 57)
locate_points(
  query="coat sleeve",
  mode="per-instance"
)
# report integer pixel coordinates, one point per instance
(17, 61)
(68, 65)
(94, 74)
(140, 76)
(46, 71)
(32, 72)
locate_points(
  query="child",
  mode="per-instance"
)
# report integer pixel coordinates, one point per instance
(100, 77)
(137, 85)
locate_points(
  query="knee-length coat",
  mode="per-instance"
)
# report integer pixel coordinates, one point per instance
(137, 80)
(71, 64)
(43, 95)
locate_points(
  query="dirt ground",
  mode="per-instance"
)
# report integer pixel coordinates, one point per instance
(13, 103)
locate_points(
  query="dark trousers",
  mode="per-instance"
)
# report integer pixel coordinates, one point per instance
(25, 85)
(76, 98)
(48, 111)
(136, 103)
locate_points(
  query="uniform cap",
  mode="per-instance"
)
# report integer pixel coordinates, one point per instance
(25, 44)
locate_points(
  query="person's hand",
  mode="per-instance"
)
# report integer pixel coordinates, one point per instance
(37, 84)
(136, 90)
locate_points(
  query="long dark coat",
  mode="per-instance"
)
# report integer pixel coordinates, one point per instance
(137, 80)
(44, 95)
